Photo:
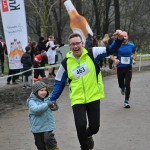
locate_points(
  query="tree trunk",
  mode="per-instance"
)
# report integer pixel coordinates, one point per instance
(106, 18)
(117, 14)
(97, 16)
(78, 4)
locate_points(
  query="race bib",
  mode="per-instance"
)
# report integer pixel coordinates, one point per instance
(80, 70)
(125, 60)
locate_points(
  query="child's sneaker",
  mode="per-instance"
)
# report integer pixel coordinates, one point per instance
(126, 104)
(90, 142)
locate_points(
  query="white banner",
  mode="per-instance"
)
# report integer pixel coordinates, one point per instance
(15, 30)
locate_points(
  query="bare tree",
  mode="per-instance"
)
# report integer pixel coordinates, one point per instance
(103, 16)
(43, 10)
(78, 4)
(106, 16)
(117, 14)
(97, 9)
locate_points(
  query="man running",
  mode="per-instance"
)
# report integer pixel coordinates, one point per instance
(81, 69)
(124, 63)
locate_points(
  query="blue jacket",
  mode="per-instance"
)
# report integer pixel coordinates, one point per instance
(40, 115)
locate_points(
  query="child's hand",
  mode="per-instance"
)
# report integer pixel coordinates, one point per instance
(53, 107)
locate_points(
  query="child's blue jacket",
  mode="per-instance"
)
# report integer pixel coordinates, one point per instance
(40, 115)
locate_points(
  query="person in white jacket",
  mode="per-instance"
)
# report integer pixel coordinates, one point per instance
(51, 54)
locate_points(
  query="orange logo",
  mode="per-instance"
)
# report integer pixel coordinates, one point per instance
(4, 5)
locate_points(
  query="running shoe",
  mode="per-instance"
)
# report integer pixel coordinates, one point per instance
(126, 104)
(122, 91)
(90, 142)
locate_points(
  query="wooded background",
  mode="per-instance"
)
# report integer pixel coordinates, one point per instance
(46, 17)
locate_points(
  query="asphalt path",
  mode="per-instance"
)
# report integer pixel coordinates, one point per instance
(121, 129)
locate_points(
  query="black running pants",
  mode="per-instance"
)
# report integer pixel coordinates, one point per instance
(82, 113)
(124, 75)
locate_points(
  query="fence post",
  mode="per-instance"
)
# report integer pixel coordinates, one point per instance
(32, 76)
(140, 63)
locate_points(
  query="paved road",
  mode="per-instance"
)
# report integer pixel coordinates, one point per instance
(121, 129)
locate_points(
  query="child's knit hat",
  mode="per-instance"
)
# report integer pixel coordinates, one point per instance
(37, 86)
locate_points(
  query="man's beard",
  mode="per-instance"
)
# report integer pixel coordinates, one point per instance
(124, 42)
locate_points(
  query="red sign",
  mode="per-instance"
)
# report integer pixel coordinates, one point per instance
(4, 5)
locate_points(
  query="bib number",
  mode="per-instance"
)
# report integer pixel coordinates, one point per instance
(80, 70)
(125, 60)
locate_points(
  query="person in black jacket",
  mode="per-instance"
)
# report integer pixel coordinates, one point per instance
(27, 64)
(42, 45)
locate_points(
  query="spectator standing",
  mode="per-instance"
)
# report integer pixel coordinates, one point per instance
(2, 53)
(42, 123)
(105, 43)
(11, 72)
(51, 54)
(34, 50)
(88, 42)
(40, 61)
(13, 78)
(41, 45)
(110, 41)
(100, 42)
(94, 41)
(27, 64)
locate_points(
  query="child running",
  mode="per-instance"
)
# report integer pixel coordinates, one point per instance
(42, 121)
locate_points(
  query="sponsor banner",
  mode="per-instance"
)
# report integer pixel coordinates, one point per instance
(15, 30)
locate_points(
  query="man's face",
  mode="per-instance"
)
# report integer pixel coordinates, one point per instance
(76, 46)
(125, 38)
